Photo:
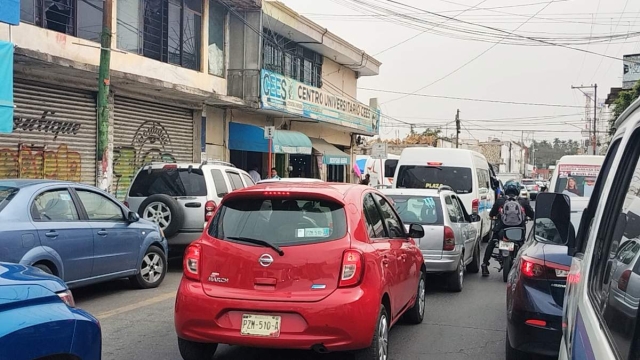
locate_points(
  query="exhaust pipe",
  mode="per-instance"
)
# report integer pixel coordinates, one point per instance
(320, 349)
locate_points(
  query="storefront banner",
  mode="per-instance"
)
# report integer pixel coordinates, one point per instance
(6, 87)
(287, 95)
(10, 12)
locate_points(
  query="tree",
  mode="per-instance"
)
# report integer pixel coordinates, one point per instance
(624, 100)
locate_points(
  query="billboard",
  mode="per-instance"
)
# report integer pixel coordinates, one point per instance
(631, 72)
(290, 96)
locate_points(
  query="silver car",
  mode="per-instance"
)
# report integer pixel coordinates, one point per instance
(451, 243)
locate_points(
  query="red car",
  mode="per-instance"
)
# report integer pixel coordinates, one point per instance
(326, 267)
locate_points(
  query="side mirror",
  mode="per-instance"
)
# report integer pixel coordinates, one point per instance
(474, 217)
(553, 218)
(132, 217)
(416, 231)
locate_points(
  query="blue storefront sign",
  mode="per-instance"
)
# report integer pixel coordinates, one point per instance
(10, 12)
(6, 87)
(290, 96)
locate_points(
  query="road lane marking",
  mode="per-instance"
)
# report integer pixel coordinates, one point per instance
(138, 305)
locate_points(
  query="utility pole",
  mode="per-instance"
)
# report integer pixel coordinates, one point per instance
(594, 132)
(458, 128)
(104, 80)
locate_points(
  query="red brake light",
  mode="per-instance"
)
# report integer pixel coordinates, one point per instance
(191, 262)
(449, 242)
(533, 322)
(352, 268)
(434, 163)
(475, 206)
(209, 209)
(277, 193)
(170, 166)
(623, 282)
(536, 268)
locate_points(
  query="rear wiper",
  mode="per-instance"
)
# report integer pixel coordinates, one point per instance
(257, 242)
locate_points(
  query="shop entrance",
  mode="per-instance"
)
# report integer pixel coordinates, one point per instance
(301, 166)
(245, 160)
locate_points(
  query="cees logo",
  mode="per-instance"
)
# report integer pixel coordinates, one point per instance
(276, 87)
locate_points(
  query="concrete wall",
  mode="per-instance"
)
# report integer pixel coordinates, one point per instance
(80, 52)
(338, 79)
(217, 136)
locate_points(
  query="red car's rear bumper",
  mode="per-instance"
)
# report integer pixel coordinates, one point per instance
(345, 320)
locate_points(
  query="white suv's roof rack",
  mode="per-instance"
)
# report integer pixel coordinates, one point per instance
(216, 162)
(445, 188)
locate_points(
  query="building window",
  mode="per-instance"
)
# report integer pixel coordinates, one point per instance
(164, 30)
(285, 57)
(81, 18)
(217, 16)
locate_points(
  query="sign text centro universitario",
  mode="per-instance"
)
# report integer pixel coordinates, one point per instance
(293, 97)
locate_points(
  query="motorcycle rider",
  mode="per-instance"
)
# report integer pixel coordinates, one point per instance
(512, 192)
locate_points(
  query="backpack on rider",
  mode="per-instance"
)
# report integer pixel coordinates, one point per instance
(512, 213)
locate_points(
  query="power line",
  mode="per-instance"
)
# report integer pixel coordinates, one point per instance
(473, 59)
(419, 34)
(508, 32)
(472, 99)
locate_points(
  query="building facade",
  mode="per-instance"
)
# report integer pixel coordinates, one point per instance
(186, 75)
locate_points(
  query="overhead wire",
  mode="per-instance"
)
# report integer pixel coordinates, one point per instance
(473, 59)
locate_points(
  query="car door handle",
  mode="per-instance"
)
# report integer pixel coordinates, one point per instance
(103, 232)
(193, 205)
(52, 234)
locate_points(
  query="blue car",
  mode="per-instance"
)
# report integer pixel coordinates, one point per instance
(78, 233)
(40, 320)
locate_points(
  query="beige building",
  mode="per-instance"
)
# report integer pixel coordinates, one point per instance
(184, 76)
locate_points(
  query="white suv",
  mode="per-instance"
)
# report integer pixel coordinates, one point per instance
(181, 198)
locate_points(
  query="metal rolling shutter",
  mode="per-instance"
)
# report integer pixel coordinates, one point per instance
(54, 135)
(146, 132)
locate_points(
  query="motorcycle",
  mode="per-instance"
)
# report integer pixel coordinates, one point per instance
(511, 241)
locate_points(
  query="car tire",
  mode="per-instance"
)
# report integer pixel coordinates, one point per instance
(513, 354)
(190, 350)
(153, 269)
(506, 267)
(44, 268)
(474, 265)
(164, 211)
(415, 315)
(455, 279)
(380, 341)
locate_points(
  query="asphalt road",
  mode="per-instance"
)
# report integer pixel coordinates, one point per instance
(138, 324)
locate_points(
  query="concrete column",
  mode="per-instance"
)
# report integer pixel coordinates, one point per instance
(204, 54)
(114, 24)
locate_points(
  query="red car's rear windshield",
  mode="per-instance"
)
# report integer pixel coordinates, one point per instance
(282, 222)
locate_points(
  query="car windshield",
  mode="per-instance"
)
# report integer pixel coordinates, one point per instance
(6, 194)
(169, 181)
(423, 210)
(433, 177)
(282, 222)
(577, 180)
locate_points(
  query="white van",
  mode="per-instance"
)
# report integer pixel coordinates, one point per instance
(381, 172)
(576, 175)
(600, 316)
(465, 171)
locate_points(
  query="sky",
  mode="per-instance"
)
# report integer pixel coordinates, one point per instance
(516, 69)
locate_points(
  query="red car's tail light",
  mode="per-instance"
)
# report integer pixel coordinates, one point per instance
(277, 193)
(449, 242)
(536, 268)
(209, 210)
(533, 322)
(352, 268)
(191, 262)
(475, 206)
(623, 282)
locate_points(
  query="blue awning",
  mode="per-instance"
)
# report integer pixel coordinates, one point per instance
(6, 87)
(251, 138)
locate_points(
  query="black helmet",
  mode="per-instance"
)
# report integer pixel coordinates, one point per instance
(512, 189)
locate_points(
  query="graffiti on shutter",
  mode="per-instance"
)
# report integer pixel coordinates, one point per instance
(151, 142)
(26, 161)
